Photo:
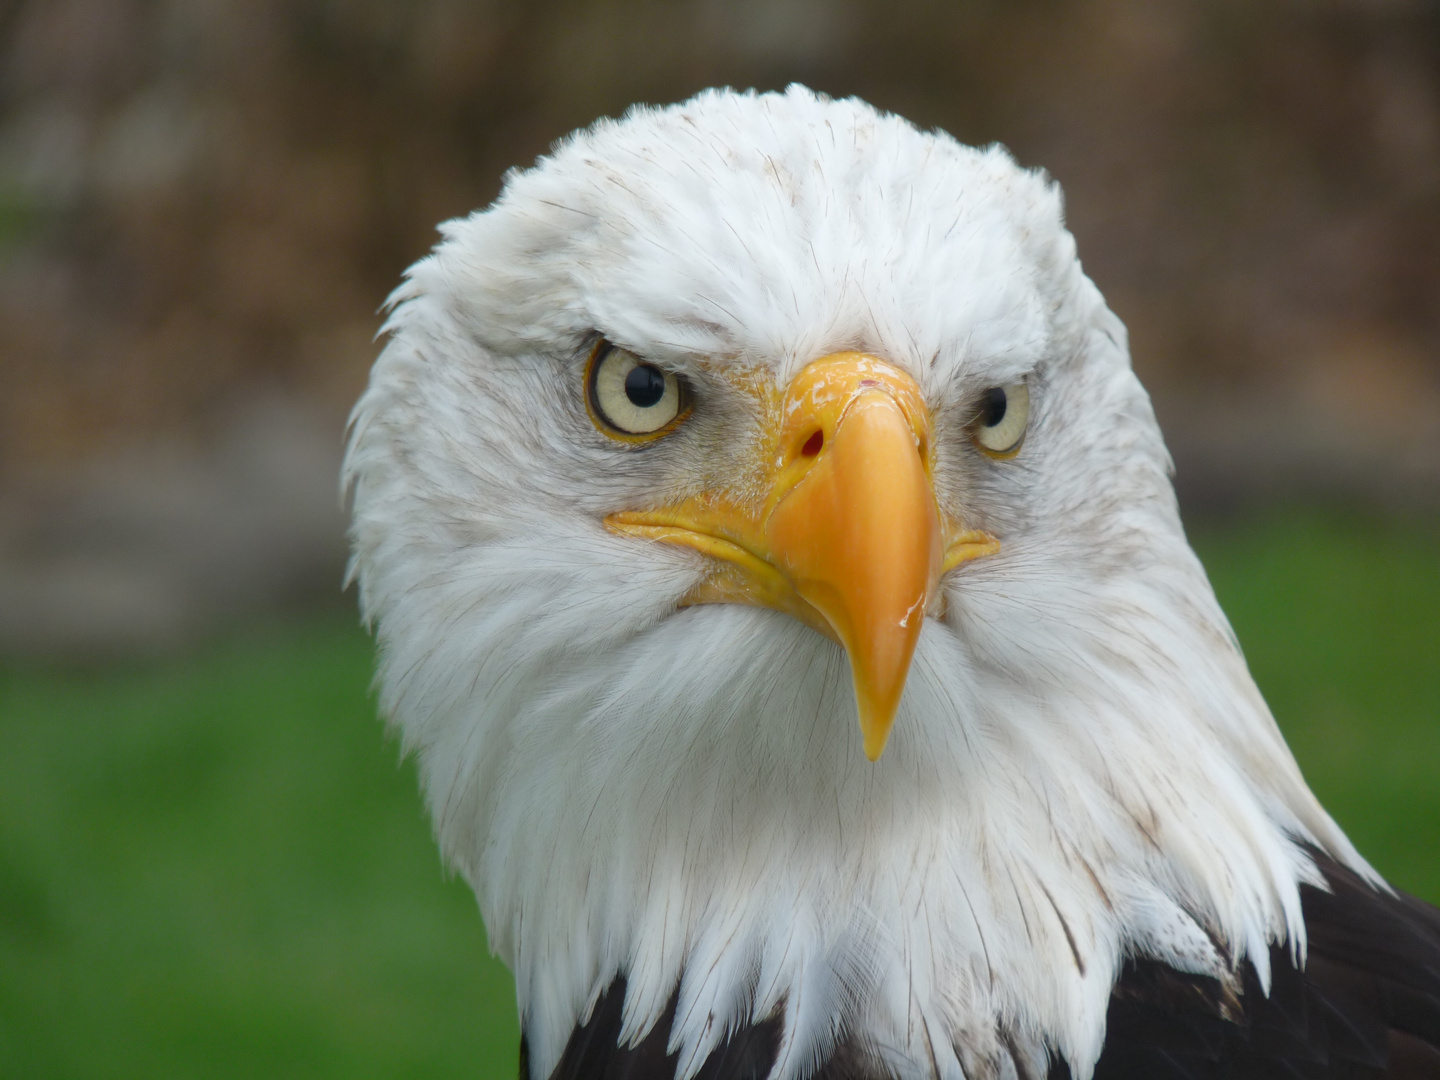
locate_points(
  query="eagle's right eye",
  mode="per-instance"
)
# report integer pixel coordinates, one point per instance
(630, 398)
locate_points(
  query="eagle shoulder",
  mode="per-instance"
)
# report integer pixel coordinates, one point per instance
(1366, 1003)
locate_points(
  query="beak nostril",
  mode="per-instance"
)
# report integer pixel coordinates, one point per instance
(813, 444)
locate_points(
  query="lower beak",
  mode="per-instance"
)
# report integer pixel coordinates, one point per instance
(847, 538)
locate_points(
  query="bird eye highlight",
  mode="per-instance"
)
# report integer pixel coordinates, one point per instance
(999, 427)
(631, 399)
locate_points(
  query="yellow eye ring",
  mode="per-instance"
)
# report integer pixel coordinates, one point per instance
(998, 429)
(630, 399)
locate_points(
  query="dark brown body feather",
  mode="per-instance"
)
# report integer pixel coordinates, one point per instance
(1366, 1005)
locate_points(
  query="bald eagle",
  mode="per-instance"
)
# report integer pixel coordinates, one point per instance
(730, 424)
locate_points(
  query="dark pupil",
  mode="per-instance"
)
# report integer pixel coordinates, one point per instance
(992, 407)
(645, 386)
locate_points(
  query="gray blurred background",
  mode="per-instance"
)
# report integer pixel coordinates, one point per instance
(203, 202)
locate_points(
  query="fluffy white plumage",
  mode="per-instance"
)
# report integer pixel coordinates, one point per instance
(1081, 768)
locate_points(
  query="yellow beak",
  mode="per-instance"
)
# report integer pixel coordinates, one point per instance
(842, 530)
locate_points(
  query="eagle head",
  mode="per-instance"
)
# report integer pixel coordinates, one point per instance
(778, 577)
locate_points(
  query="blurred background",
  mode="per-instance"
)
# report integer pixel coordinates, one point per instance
(209, 863)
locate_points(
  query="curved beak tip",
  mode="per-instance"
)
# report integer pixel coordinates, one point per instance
(878, 690)
(876, 735)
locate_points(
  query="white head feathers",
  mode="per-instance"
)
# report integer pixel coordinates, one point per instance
(1081, 768)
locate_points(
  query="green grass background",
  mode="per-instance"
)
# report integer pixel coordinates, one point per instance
(213, 866)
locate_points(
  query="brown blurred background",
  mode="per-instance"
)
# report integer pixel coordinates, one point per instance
(203, 202)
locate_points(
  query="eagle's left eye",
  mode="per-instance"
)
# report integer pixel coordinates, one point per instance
(630, 398)
(999, 428)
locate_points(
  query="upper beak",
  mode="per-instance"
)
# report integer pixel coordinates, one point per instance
(843, 532)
